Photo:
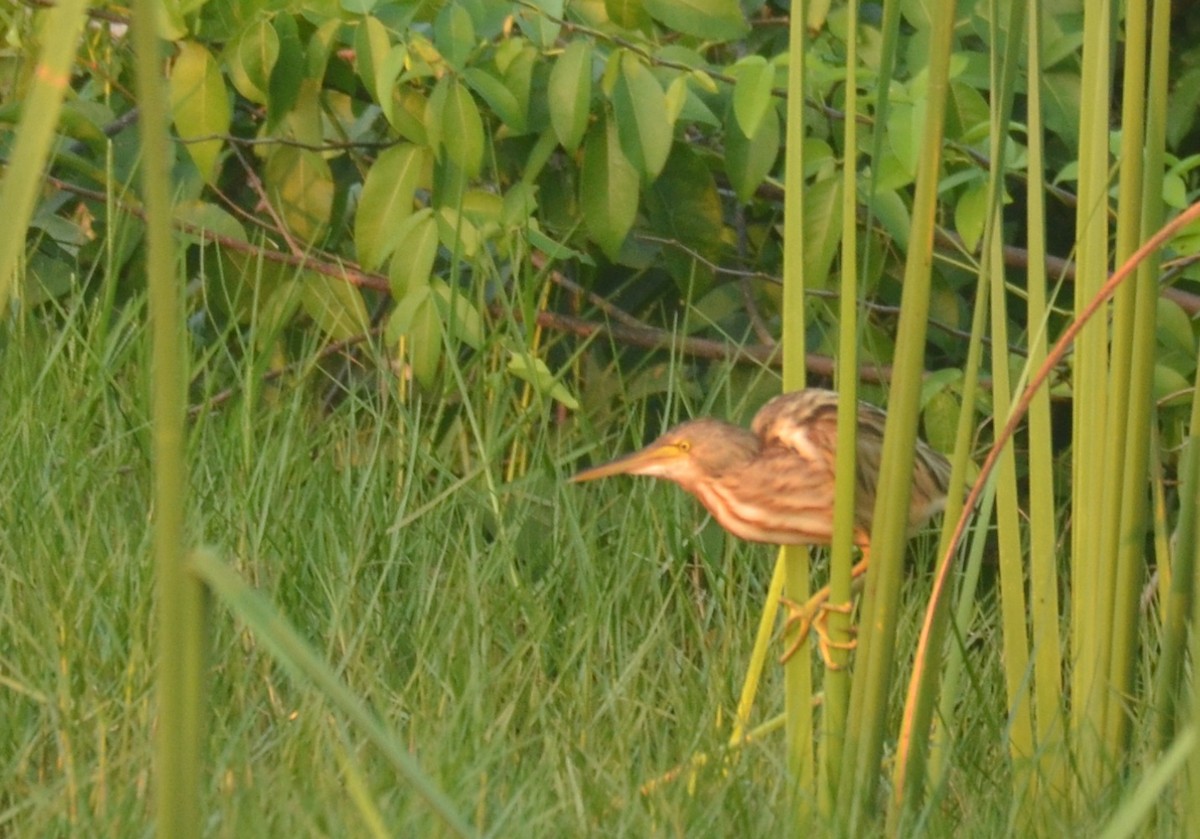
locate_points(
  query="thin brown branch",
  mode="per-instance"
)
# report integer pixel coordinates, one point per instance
(339, 269)
(650, 338)
(264, 201)
(348, 145)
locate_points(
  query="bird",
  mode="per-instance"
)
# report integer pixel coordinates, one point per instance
(774, 483)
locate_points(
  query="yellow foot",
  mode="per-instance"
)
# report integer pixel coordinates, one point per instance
(814, 616)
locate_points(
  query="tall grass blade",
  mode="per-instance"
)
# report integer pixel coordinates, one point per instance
(39, 118)
(294, 653)
(1129, 818)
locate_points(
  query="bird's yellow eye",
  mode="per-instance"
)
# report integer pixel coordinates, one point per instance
(684, 445)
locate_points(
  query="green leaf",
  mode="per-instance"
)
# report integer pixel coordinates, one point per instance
(627, 14)
(750, 159)
(416, 319)
(1170, 386)
(894, 216)
(205, 216)
(449, 183)
(321, 43)
(435, 114)
(454, 35)
(970, 214)
(408, 113)
(252, 59)
(458, 235)
(171, 22)
(401, 319)
(1174, 329)
(498, 97)
(243, 283)
(1062, 96)
(288, 72)
(683, 205)
(278, 309)
(300, 184)
(534, 370)
(641, 113)
(822, 228)
(902, 134)
(752, 92)
(336, 306)
(460, 318)
(940, 408)
(542, 28)
(46, 279)
(966, 113)
(676, 98)
(889, 173)
(519, 203)
(1185, 104)
(608, 188)
(518, 74)
(462, 128)
(716, 20)
(386, 73)
(371, 47)
(694, 109)
(570, 93)
(553, 249)
(304, 123)
(386, 201)
(80, 119)
(484, 209)
(199, 106)
(416, 250)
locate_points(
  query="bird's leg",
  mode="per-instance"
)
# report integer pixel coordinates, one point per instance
(814, 615)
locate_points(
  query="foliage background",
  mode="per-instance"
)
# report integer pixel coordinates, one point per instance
(405, 216)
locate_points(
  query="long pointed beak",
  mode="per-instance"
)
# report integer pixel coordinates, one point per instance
(648, 461)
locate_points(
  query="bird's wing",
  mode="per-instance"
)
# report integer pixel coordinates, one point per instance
(805, 424)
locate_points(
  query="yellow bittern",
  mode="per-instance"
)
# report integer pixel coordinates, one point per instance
(775, 482)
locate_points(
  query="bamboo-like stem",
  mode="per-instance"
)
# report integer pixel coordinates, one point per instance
(1013, 609)
(911, 755)
(1168, 681)
(1045, 622)
(1179, 570)
(837, 681)
(1039, 378)
(798, 672)
(876, 652)
(758, 653)
(179, 619)
(1190, 548)
(913, 741)
(1091, 585)
(1134, 345)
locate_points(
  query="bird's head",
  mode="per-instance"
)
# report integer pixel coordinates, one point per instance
(696, 451)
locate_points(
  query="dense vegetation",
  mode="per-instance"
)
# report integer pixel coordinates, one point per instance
(433, 253)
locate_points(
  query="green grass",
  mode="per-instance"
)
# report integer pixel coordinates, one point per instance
(540, 649)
